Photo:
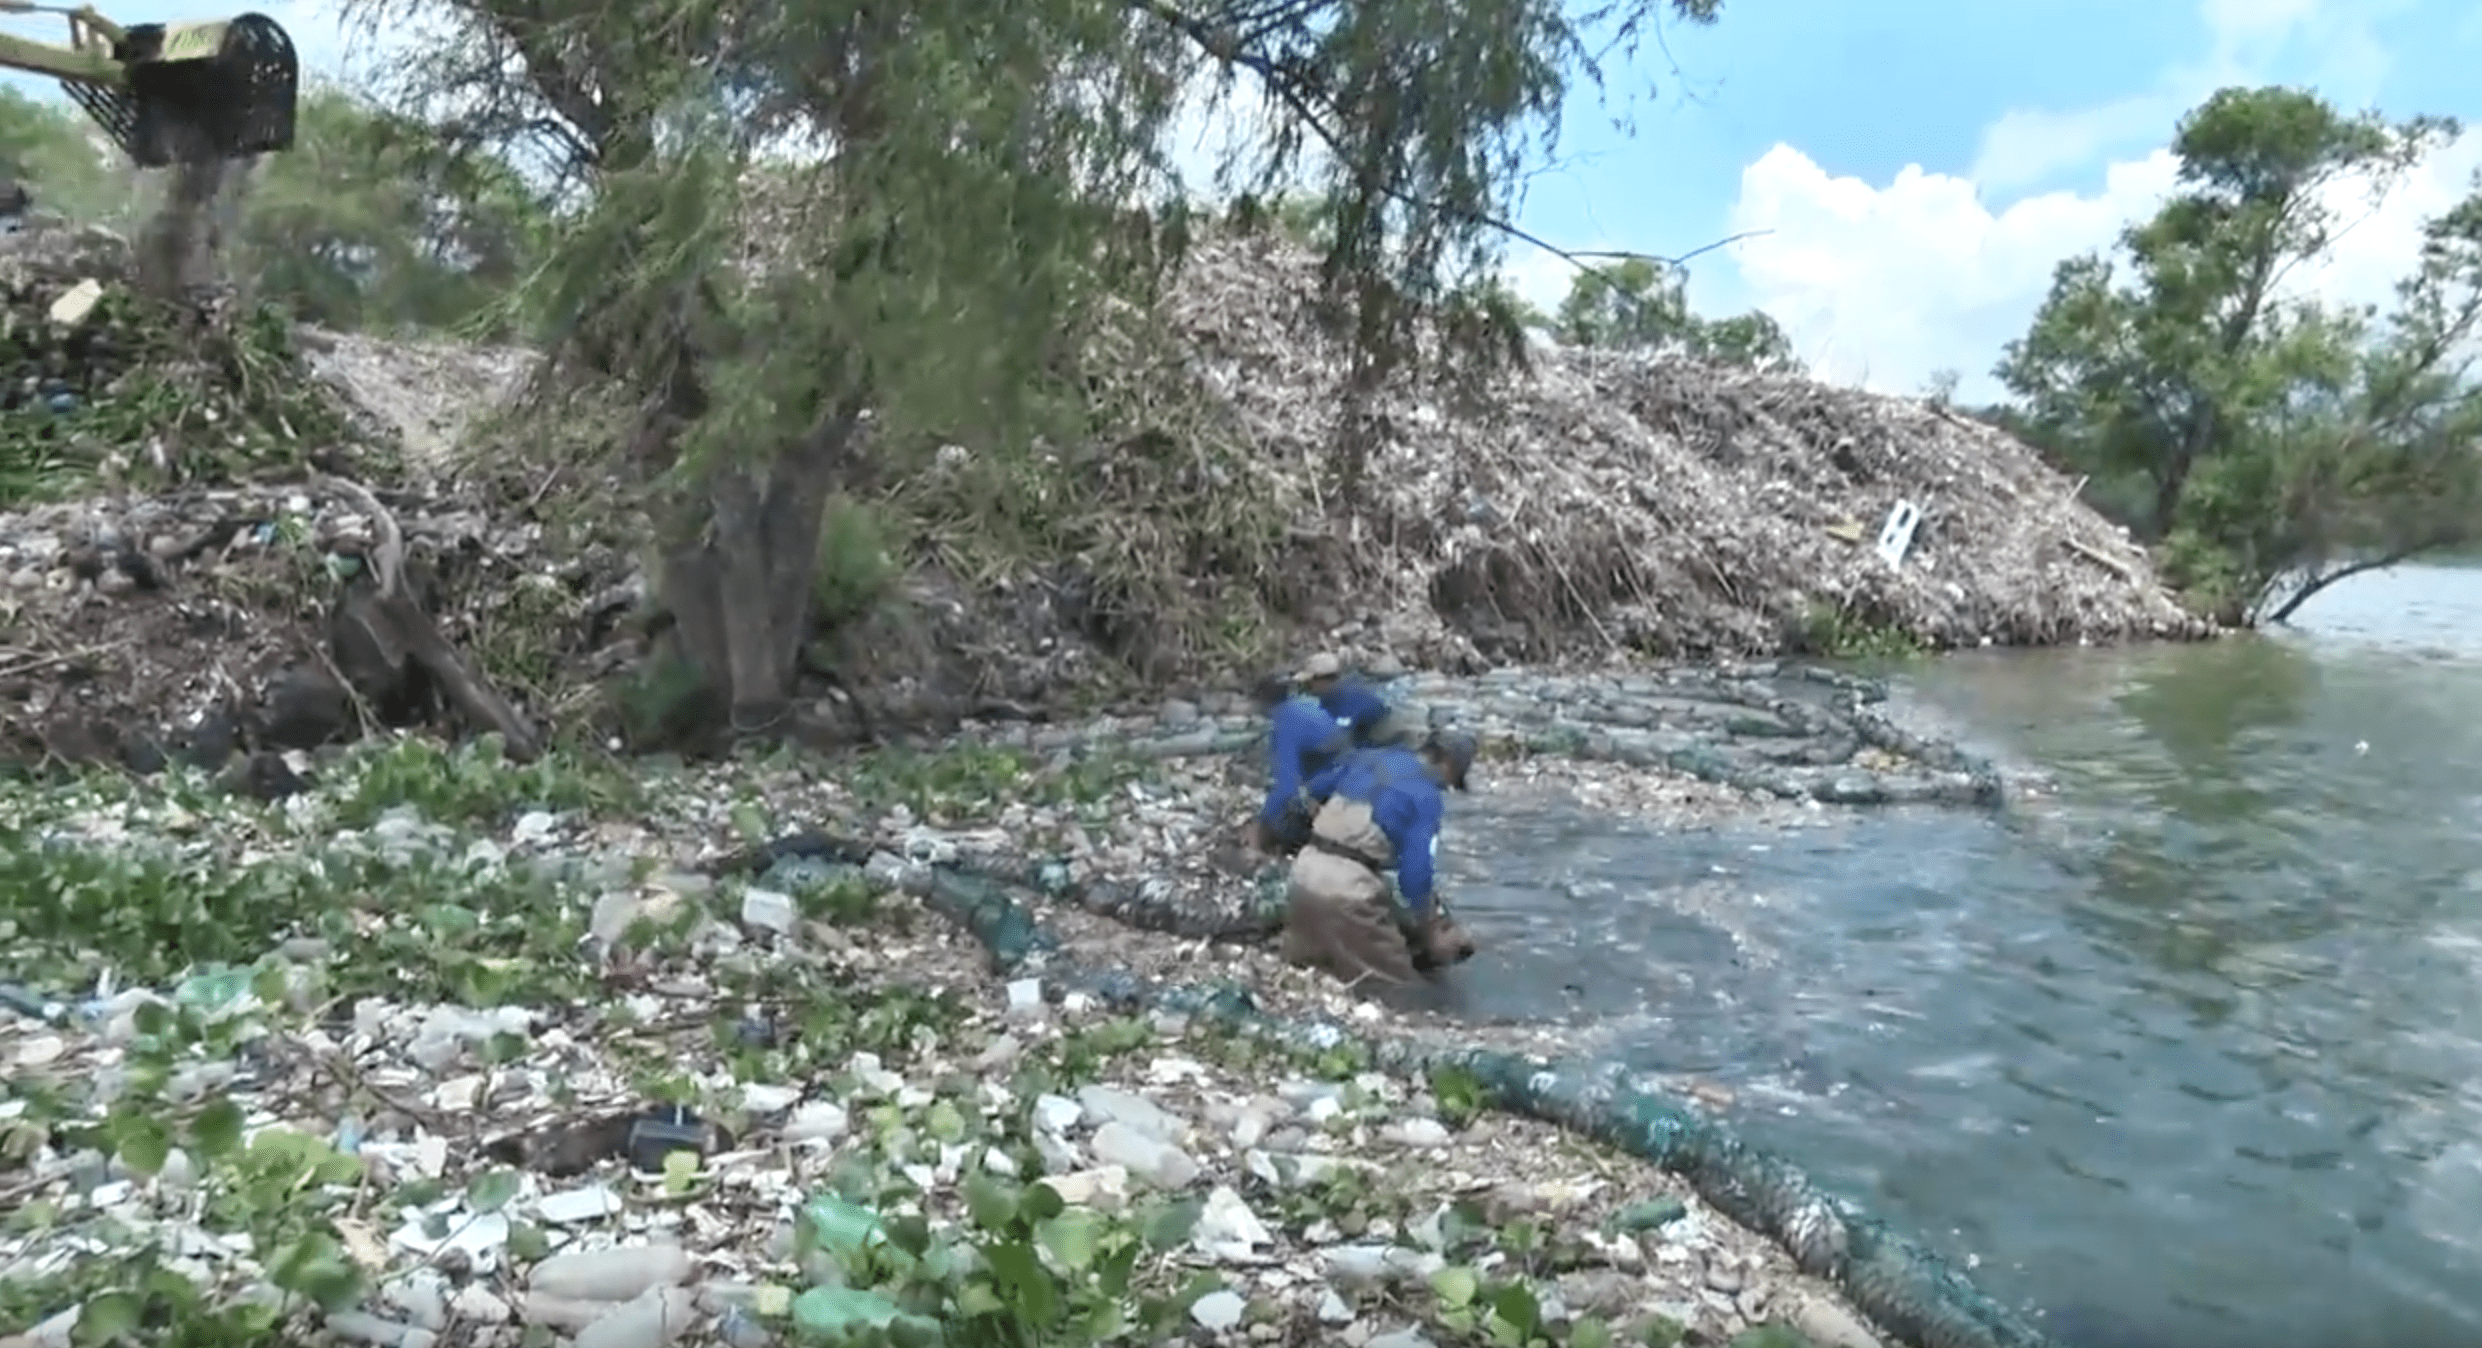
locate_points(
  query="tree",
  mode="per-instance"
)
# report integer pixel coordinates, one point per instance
(365, 223)
(2272, 443)
(820, 241)
(368, 223)
(63, 158)
(1641, 305)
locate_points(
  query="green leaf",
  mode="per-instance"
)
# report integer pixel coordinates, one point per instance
(316, 1268)
(1106, 1322)
(1042, 1203)
(104, 1318)
(1071, 1238)
(216, 1132)
(910, 1233)
(269, 985)
(1172, 1224)
(836, 1313)
(491, 1190)
(528, 1242)
(1516, 1305)
(1113, 1276)
(1771, 1336)
(1588, 1332)
(143, 1143)
(680, 1171)
(1455, 1286)
(990, 1201)
(1022, 1276)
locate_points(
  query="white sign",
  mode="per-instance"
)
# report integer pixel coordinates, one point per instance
(1896, 536)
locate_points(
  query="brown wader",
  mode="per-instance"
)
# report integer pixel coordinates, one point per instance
(1341, 913)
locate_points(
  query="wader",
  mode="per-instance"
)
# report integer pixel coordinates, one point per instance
(1341, 912)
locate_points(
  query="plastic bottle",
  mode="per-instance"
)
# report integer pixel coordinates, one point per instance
(652, 1320)
(616, 1274)
(383, 1333)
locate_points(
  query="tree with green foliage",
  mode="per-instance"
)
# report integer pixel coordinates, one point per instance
(65, 159)
(825, 243)
(367, 223)
(364, 224)
(1640, 304)
(2271, 442)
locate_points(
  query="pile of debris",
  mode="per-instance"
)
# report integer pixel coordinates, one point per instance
(235, 590)
(1599, 500)
(105, 378)
(1579, 506)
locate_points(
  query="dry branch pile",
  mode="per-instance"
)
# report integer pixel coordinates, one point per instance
(1603, 500)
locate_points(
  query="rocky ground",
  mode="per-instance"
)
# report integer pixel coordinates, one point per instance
(460, 1048)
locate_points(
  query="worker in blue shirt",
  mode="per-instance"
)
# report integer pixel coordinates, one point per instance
(1302, 741)
(1356, 705)
(1381, 810)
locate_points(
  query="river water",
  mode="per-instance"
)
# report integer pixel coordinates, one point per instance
(2184, 1053)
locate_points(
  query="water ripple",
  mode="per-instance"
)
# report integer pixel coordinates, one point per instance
(2196, 1027)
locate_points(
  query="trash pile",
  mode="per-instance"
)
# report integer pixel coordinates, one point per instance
(1603, 501)
(101, 381)
(191, 564)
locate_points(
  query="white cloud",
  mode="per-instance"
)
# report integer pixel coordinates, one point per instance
(1888, 285)
(1885, 285)
(2028, 145)
(2238, 22)
(1541, 277)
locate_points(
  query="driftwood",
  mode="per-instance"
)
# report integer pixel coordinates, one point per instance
(393, 654)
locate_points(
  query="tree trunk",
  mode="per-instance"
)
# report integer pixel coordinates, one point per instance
(2311, 588)
(740, 592)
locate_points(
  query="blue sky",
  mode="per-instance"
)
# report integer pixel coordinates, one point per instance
(1921, 164)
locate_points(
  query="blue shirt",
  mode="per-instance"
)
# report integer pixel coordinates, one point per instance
(1356, 705)
(1404, 802)
(1302, 740)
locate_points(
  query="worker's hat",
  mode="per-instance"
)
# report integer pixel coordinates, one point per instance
(1457, 749)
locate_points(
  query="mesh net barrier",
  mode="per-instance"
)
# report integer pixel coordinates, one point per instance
(1906, 1288)
(1791, 732)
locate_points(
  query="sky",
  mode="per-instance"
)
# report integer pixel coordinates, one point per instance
(1912, 172)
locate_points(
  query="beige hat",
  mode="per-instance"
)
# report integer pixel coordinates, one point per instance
(1323, 665)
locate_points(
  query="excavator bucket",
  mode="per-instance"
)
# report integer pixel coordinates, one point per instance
(196, 92)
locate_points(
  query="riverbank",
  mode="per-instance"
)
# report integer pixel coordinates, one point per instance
(423, 1095)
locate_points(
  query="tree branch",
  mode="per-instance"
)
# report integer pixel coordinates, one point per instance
(2282, 616)
(1221, 44)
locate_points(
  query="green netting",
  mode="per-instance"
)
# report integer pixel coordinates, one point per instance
(1792, 732)
(1908, 1289)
